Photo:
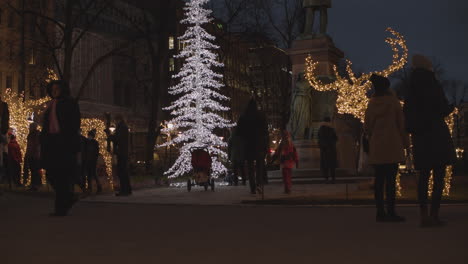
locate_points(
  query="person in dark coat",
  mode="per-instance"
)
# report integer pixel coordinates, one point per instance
(80, 177)
(90, 163)
(121, 149)
(425, 110)
(4, 126)
(14, 161)
(253, 129)
(236, 152)
(60, 144)
(327, 142)
(384, 126)
(32, 157)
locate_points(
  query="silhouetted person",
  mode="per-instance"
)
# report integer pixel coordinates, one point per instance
(384, 126)
(32, 157)
(327, 142)
(253, 129)
(236, 154)
(14, 161)
(120, 140)
(425, 109)
(289, 159)
(4, 126)
(80, 177)
(60, 144)
(90, 163)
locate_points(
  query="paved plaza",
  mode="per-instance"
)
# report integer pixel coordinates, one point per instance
(98, 232)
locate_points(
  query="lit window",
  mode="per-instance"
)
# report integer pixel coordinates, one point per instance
(9, 82)
(32, 58)
(182, 45)
(171, 65)
(171, 42)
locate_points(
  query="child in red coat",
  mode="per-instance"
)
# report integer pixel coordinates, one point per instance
(14, 160)
(288, 159)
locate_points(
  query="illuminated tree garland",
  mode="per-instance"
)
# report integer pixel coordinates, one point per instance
(88, 124)
(20, 110)
(352, 92)
(450, 121)
(196, 110)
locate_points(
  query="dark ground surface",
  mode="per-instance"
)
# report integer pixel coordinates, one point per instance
(148, 233)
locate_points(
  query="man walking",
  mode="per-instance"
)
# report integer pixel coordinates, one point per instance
(120, 140)
(253, 129)
(60, 144)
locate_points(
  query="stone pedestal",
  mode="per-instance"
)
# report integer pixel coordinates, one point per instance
(321, 49)
(327, 55)
(309, 154)
(324, 52)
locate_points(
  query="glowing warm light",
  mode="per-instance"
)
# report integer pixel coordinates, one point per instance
(352, 91)
(22, 113)
(88, 124)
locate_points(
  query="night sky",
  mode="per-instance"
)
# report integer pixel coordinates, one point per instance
(436, 28)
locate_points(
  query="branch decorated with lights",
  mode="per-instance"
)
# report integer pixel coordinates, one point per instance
(195, 112)
(352, 91)
(22, 111)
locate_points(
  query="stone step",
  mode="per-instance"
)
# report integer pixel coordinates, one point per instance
(307, 174)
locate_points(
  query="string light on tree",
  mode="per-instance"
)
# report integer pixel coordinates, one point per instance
(195, 112)
(352, 91)
(450, 121)
(88, 124)
(20, 110)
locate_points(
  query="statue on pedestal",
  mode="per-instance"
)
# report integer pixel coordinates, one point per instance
(301, 109)
(312, 6)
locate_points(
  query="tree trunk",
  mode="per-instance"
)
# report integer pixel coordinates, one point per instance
(68, 35)
(22, 81)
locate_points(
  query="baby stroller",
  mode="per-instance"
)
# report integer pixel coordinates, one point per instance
(201, 163)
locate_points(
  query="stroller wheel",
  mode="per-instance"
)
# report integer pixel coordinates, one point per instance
(189, 185)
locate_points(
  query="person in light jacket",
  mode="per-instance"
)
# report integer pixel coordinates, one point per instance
(384, 126)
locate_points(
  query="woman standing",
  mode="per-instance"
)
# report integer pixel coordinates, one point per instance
(384, 126)
(425, 110)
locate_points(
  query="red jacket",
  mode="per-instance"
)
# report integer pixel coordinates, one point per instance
(14, 151)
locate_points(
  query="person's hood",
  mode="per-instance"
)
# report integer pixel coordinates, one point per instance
(66, 92)
(382, 105)
(326, 124)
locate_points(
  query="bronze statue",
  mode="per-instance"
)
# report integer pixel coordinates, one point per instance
(311, 7)
(301, 109)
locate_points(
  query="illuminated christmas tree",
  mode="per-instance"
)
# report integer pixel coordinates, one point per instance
(196, 111)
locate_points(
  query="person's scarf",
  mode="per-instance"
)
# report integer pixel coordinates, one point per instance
(54, 126)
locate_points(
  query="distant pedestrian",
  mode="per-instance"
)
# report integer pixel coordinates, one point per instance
(121, 149)
(236, 154)
(425, 110)
(80, 177)
(327, 142)
(60, 144)
(14, 161)
(4, 126)
(287, 154)
(32, 157)
(90, 163)
(384, 126)
(253, 129)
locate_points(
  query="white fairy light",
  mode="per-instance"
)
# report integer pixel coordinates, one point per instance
(196, 110)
